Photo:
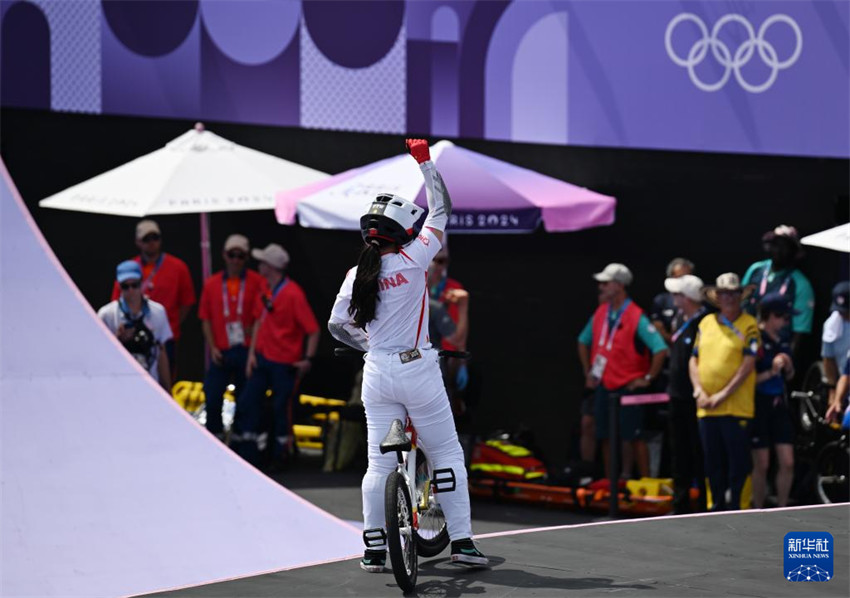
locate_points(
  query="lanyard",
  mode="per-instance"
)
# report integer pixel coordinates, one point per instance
(684, 326)
(725, 321)
(437, 291)
(147, 284)
(128, 316)
(763, 286)
(225, 298)
(614, 326)
(270, 301)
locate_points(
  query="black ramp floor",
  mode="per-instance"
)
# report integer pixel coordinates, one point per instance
(730, 554)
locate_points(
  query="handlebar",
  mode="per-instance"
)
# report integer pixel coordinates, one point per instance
(347, 351)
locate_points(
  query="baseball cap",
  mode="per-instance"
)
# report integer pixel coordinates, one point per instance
(777, 303)
(615, 272)
(841, 297)
(237, 242)
(146, 227)
(273, 254)
(128, 270)
(783, 230)
(688, 285)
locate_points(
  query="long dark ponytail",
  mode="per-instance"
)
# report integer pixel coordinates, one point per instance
(364, 295)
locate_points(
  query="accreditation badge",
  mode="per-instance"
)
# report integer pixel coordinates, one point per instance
(235, 333)
(598, 367)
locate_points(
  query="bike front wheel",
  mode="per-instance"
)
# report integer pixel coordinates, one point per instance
(401, 540)
(431, 534)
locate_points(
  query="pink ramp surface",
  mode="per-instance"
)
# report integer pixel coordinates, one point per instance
(108, 487)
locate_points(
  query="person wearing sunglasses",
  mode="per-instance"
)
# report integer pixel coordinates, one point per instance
(226, 311)
(723, 373)
(165, 279)
(772, 424)
(140, 324)
(448, 296)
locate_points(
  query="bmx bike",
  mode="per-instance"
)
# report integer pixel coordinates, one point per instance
(415, 521)
(831, 476)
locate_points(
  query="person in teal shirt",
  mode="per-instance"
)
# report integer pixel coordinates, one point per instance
(780, 274)
(629, 361)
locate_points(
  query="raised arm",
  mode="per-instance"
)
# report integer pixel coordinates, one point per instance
(439, 202)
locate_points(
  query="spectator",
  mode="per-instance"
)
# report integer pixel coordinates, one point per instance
(441, 327)
(451, 294)
(835, 346)
(772, 423)
(779, 274)
(614, 349)
(722, 371)
(277, 358)
(838, 402)
(687, 457)
(227, 319)
(139, 323)
(663, 309)
(166, 280)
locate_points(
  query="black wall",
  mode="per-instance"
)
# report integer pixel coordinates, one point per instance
(531, 294)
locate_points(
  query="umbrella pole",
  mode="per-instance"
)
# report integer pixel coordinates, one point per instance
(206, 267)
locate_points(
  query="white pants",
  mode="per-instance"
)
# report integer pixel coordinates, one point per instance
(393, 390)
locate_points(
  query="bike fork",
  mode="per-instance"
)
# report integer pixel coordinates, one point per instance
(408, 472)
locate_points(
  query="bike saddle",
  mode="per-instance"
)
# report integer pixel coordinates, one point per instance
(396, 439)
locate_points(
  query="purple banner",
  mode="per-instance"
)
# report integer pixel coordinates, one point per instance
(765, 77)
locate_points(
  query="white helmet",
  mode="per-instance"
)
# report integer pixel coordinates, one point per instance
(392, 218)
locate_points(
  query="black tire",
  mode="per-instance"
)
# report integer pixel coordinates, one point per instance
(832, 473)
(814, 381)
(432, 536)
(401, 542)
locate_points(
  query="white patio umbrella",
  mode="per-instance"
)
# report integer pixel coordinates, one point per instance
(837, 238)
(198, 172)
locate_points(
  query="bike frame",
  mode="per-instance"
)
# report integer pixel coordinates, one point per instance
(407, 468)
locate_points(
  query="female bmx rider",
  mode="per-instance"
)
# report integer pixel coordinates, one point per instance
(382, 308)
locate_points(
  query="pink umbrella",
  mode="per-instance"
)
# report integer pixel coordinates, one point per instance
(488, 195)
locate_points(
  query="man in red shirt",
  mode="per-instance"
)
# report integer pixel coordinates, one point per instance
(166, 280)
(450, 293)
(227, 319)
(277, 358)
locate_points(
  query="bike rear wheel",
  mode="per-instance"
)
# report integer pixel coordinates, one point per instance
(401, 541)
(832, 473)
(431, 534)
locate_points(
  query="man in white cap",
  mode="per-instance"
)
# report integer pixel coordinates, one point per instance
(723, 372)
(621, 352)
(277, 359)
(166, 280)
(686, 447)
(227, 318)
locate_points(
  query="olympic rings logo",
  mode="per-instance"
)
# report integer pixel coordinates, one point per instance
(732, 63)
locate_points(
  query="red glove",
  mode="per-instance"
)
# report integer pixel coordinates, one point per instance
(418, 148)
